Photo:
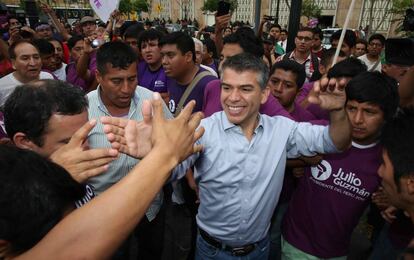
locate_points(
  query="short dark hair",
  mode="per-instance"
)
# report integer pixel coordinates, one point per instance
(73, 40)
(398, 140)
(148, 35)
(327, 56)
(30, 106)
(247, 40)
(378, 37)
(44, 46)
(361, 41)
(273, 25)
(248, 62)
(133, 31)
(375, 88)
(294, 67)
(12, 48)
(183, 42)
(318, 31)
(284, 30)
(306, 29)
(349, 39)
(349, 67)
(34, 195)
(117, 53)
(211, 47)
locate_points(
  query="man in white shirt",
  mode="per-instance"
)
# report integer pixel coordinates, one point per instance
(372, 58)
(26, 61)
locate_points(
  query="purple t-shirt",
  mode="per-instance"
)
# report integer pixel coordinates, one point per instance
(72, 75)
(330, 199)
(304, 91)
(213, 66)
(212, 103)
(176, 91)
(155, 81)
(299, 114)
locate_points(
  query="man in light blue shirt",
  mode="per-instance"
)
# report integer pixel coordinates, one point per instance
(240, 170)
(119, 96)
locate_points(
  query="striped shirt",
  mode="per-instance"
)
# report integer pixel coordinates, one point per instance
(124, 164)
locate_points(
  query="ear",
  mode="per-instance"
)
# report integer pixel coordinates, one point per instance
(99, 77)
(20, 140)
(188, 57)
(409, 182)
(265, 95)
(13, 61)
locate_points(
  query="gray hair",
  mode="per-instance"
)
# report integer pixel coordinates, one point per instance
(248, 62)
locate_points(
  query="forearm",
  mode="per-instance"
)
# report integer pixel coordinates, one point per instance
(82, 66)
(59, 26)
(97, 229)
(340, 129)
(218, 40)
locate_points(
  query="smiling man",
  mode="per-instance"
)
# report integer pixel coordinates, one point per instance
(26, 61)
(240, 170)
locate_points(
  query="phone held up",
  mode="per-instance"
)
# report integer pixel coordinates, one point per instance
(223, 8)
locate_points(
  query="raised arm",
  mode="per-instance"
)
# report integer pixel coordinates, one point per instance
(59, 26)
(96, 230)
(329, 94)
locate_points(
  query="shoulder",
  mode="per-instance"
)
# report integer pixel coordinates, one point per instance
(7, 79)
(45, 75)
(143, 92)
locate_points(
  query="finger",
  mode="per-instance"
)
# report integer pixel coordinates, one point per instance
(323, 84)
(92, 173)
(93, 164)
(342, 84)
(313, 97)
(98, 153)
(112, 138)
(195, 120)
(112, 129)
(147, 111)
(198, 134)
(197, 148)
(187, 111)
(332, 84)
(158, 113)
(108, 120)
(80, 136)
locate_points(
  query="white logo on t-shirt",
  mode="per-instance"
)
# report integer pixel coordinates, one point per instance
(171, 105)
(322, 171)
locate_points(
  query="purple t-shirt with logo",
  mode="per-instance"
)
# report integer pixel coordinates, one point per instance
(176, 91)
(212, 103)
(314, 109)
(330, 199)
(155, 81)
(73, 77)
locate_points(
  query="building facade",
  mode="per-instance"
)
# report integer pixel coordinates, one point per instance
(375, 13)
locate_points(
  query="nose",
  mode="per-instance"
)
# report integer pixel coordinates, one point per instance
(359, 117)
(279, 87)
(234, 95)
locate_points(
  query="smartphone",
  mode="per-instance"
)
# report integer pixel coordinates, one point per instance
(223, 8)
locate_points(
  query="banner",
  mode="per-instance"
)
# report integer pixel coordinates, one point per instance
(104, 8)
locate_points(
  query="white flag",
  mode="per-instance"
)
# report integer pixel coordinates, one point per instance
(104, 8)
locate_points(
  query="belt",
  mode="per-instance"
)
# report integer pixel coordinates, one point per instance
(235, 251)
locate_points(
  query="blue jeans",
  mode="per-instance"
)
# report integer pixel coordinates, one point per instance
(205, 251)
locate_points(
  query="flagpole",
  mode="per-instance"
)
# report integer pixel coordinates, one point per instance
(341, 39)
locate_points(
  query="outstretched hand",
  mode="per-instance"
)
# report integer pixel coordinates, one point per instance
(329, 94)
(175, 137)
(80, 162)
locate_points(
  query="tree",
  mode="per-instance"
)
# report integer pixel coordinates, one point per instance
(128, 6)
(140, 6)
(211, 5)
(310, 9)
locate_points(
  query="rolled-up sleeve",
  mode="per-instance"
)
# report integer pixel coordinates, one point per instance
(307, 140)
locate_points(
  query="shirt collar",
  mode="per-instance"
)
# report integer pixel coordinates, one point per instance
(228, 125)
(292, 56)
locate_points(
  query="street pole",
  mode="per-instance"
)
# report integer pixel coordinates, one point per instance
(257, 15)
(277, 12)
(294, 21)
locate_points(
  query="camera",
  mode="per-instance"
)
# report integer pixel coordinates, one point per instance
(97, 42)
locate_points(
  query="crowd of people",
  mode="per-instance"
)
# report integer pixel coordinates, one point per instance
(124, 141)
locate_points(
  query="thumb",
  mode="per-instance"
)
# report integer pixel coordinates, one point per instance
(157, 107)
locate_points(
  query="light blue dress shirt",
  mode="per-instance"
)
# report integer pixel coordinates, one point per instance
(124, 164)
(240, 181)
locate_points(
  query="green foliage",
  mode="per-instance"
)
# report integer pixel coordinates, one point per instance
(211, 5)
(127, 6)
(398, 10)
(310, 9)
(140, 6)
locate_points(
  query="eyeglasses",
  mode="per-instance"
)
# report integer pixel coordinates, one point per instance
(305, 39)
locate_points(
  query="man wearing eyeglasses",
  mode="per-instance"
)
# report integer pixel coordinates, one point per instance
(302, 53)
(372, 58)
